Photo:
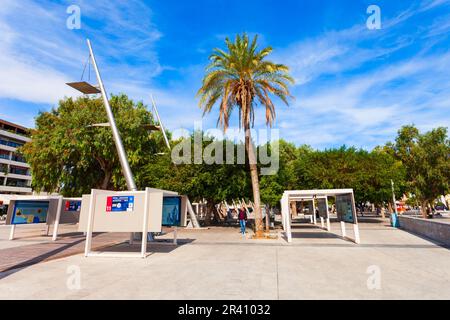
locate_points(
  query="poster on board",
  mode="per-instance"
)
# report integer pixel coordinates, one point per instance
(171, 215)
(30, 212)
(344, 208)
(322, 206)
(120, 204)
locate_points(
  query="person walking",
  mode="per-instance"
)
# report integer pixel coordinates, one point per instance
(242, 220)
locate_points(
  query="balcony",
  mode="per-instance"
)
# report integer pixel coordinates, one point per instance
(16, 190)
(11, 144)
(18, 158)
(19, 171)
(14, 136)
(13, 163)
(17, 183)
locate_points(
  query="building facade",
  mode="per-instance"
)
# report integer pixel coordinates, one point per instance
(15, 173)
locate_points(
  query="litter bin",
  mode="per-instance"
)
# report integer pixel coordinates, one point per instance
(395, 223)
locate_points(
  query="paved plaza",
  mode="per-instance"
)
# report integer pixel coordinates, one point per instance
(218, 264)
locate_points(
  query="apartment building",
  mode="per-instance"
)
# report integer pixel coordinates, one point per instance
(15, 175)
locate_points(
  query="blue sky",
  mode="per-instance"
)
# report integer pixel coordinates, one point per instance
(354, 86)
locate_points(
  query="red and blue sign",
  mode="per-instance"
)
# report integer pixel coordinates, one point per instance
(120, 204)
(72, 206)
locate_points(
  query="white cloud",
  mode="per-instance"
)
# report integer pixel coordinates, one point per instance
(369, 108)
(39, 54)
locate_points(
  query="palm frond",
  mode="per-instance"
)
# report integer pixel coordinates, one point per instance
(240, 77)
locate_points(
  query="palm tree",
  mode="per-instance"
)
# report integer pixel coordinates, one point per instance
(241, 78)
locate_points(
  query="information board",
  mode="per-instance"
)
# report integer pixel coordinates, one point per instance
(30, 212)
(322, 206)
(310, 208)
(72, 206)
(120, 204)
(171, 215)
(344, 208)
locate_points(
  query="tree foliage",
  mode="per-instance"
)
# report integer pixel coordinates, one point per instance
(68, 155)
(369, 174)
(426, 158)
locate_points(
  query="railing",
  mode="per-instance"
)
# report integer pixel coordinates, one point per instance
(19, 171)
(18, 159)
(10, 143)
(23, 134)
(17, 184)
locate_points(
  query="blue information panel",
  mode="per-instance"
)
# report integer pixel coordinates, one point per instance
(171, 216)
(30, 212)
(120, 204)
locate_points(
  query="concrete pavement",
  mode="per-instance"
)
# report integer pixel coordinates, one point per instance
(218, 264)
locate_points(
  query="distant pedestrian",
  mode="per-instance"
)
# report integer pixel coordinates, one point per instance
(242, 219)
(229, 217)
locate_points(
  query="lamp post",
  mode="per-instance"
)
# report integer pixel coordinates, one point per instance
(112, 122)
(393, 197)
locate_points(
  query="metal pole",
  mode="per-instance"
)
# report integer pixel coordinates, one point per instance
(116, 135)
(58, 217)
(160, 123)
(393, 197)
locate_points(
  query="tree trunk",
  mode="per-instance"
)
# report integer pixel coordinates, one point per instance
(390, 208)
(424, 208)
(267, 220)
(209, 212)
(106, 180)
(255, 180)
(382, 212)
(293, 210)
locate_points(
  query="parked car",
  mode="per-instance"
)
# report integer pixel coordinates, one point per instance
(440, 207)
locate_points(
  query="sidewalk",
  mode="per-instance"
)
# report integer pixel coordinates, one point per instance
(218, 264)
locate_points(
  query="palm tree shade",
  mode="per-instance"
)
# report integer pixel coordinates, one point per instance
(240, 78)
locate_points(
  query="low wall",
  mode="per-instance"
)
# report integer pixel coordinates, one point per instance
(432, 229)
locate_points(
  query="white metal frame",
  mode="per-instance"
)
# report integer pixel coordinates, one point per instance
(144, 241)
(41, 198)
(313, 216)
(90, 226)
(311, 195)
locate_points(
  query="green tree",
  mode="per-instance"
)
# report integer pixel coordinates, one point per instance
(242, 78)
(273, 186)
(369, 174)
(426, 158)
(68, 155)
(213, 182)
(384, 168)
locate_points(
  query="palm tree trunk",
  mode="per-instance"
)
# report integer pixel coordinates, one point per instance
(255, 180)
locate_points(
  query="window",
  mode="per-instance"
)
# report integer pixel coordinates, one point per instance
(17, 183)
(10, 143)
(19, 170)
(18, 158)
(4, 155)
